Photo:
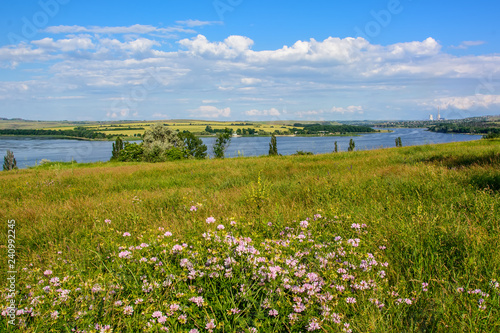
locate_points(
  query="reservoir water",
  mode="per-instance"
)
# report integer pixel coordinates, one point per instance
(30, 151)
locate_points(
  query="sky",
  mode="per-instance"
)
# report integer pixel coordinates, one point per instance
(249, 59)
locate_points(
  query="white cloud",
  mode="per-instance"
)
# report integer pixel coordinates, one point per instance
(309, 75)
(250, 80)
(466, 44)
(197, 23)
(255, 112)
(465, 102)
(133, 29)
(209, 111)
(349, 109)
(65, 45)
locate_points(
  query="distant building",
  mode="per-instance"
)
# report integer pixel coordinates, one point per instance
(431, 118)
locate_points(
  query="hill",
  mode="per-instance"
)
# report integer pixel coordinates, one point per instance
(393, 240)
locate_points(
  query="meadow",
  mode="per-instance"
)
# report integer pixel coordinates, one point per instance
(394, 240)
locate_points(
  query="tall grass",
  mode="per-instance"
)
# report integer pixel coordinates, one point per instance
(431, 212)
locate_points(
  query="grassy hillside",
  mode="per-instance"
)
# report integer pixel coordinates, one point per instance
(394, 240)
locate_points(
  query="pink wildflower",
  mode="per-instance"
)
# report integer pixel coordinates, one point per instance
(210, 220)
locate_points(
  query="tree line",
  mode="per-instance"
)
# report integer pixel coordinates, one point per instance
(318, 128)
(77, 132)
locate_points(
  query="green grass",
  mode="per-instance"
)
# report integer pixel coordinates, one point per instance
(435, 208)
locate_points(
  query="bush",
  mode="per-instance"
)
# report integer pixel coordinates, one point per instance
(9, 161)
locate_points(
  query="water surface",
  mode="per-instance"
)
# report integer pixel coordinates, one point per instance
(30, 151)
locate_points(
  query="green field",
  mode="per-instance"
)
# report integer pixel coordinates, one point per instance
(430, 212)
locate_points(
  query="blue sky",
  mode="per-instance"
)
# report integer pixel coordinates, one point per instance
(248, 59)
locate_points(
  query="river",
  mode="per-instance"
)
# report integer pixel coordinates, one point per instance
(30, 151)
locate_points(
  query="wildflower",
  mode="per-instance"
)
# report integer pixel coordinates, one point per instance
(269, 224)
(197, 300)
(460, 290)
(233, 223)
(210, 220)
(108, 221)
(273, 312)
(47, 272)
(177, 248)
(167, 234)
(356, 226)
(162, 319)
(313, 325)
(194, 330)
(46, 289)
(118, 303)
(424, 286)
(346, 328)
(382, 247)
(124, 254)
(156, 314)
(235, 311)
(126, 234)
(193, 209)
(138, 301)
(220, 227)
(54, 314)
(350, 300)
(304, 224)
(210, 325)
(128, 310)
(55, 281)
(182, 318)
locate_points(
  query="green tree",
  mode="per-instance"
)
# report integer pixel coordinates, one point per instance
(131, 152)
(157, 141)
(273, 147)
(117, 147)
(352, 145)
(194, 146)
(222, 142)
(336, 147)
(9, 161)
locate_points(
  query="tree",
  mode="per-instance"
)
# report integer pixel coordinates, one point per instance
(9, 162)
(399, 143)
(273, 147)
(117, 147)
(194, 146)
(157, 141)
(352, 145)
(336, 147)
(222, 142)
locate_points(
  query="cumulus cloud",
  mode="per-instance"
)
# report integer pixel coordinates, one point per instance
(65, 45)
(209, 111)
(132, 61)
(270, 112)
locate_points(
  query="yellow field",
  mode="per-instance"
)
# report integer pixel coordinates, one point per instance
(194, 126)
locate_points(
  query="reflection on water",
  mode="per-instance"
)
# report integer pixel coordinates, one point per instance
(29, 151)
